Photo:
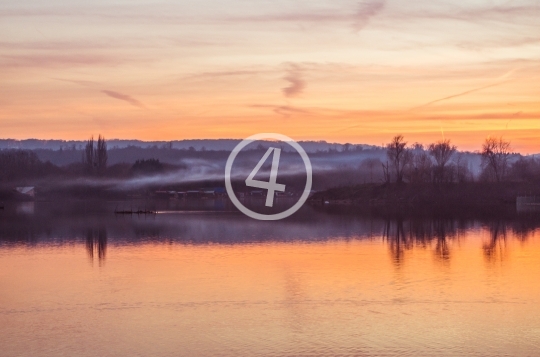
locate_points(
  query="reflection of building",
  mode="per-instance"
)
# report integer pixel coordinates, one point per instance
(27, 191)
(25, 208)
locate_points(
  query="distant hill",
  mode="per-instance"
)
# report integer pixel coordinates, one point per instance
(197, 144)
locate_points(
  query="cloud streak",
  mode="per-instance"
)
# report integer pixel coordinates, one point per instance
(283, 110)
(366, 10)
(359, 18)
(460, 94)
(39, 60)
(124, 97)
(296, 83)
(79, 82)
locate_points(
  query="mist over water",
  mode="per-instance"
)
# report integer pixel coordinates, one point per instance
(201, 279)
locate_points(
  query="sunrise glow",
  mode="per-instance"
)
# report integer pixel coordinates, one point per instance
(343, 71)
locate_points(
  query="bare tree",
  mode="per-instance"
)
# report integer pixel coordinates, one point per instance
(441, 152)
(399, 156)
(386, 172)
(462, 168)
(95, 157)
(88, 155)
(370, 164)
(19, 164)
(101, 154)
(525, 169)
(420, 167)
(495, 153)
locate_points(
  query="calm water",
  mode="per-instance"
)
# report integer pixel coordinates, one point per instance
(76, 280)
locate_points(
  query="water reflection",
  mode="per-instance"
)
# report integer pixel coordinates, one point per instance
(220, 284)
(25, 207)
(436, 234)
(495, 248)
(96, 244)
(97, 226)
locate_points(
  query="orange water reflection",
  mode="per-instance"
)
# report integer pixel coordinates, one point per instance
(475, 292)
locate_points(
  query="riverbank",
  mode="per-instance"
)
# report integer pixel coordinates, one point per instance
(453, 196)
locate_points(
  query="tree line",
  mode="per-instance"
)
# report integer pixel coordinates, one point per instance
(440, 162)
(95, 157)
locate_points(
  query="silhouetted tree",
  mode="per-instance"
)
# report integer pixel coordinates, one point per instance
(386, 172)
(88, 155)
(441, 152)
(462, 168)
(370, 164)
(146, 167)
(101, 154)
(525, 169)
(17, 164)
(95, 157)
(420, 167)
(495, 153)
(399, 156)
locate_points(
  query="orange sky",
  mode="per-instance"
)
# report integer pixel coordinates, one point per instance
(344, 71)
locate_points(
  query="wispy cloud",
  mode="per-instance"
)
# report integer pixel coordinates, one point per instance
(110, 93)
(224, 74)
(283, 110)
(460, 94)
(296, 83)
(39, 60)
(123, 97)
(500, 13)
(359, 18)
(367, 10)
(79, 82)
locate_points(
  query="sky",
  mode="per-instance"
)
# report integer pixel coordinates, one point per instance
(340, 70)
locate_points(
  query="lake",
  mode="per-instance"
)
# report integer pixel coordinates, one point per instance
(78, 280)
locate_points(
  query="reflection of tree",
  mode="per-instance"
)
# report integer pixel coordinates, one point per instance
(96, 243)
(495, 249)
(394, 233)
(402, 235)
(525, 227)
(442, 229)
(438, 234)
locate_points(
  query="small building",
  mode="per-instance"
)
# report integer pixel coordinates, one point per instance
(208, 193)
(220, 191)
(28, 191)
(193, 194)
(528, 203)
(257, 193)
